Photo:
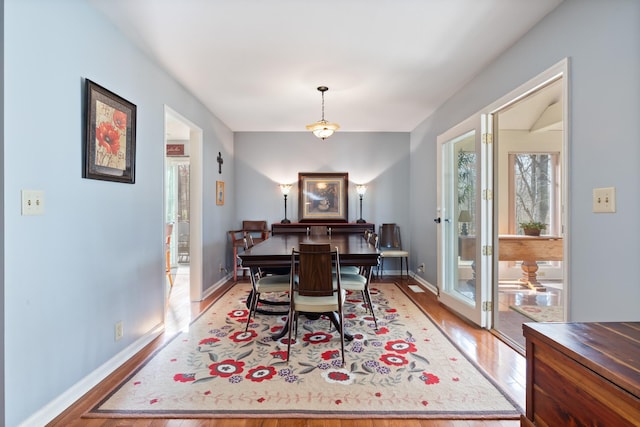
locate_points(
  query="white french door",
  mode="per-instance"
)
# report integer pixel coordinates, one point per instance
(464, 219)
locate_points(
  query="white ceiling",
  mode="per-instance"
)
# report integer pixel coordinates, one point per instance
(388, 63)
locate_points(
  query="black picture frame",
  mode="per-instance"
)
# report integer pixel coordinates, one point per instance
(109, 148)
(323, 197)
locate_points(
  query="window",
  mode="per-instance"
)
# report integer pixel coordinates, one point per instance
(534, 190)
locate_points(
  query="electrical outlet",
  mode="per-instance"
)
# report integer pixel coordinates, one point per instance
(119, 331)
(604, 200)
(421, 268)
(32, 202)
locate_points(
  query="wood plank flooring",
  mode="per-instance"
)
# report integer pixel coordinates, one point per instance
(505, 365)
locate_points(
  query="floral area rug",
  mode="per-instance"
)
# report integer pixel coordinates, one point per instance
(406, 369)
(540, 313)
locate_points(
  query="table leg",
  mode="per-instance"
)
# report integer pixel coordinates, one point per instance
(530, 276)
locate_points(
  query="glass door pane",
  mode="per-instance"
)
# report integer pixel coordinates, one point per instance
(459, 231)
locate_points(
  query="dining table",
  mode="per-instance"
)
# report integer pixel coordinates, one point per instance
(275, 253)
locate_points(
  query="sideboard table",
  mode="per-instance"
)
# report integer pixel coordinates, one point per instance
(332, 227)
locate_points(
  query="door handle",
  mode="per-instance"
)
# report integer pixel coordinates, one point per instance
(437, 220)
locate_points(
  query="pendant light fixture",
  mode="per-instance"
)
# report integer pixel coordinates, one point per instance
(323, 129)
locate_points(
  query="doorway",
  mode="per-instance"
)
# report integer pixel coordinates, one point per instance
(529, 188)
(500, 168)
(182, 212)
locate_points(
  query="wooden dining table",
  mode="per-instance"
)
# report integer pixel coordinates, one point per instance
(275, 252)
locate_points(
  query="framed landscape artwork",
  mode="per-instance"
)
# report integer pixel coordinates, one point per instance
(323, 197)
(109, 149)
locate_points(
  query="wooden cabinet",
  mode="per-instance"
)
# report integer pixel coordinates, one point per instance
(327, 227)
(583, 374)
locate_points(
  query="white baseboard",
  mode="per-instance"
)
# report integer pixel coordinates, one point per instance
(211, 289)
(428, 286)
(70, 396)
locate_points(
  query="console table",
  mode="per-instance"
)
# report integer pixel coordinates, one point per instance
(582, 374)
(331, 227)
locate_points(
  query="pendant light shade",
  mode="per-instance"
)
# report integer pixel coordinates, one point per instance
(322, 128)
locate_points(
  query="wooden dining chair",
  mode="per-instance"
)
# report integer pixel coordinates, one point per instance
(317, 230)
(257, 229)
(238, 243)
(314, 288)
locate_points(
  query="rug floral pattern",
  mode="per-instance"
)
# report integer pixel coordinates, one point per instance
(539, 313)
(406, 368)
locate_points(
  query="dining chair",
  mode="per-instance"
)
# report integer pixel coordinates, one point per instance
(359, 282)
(238, 243)
(314, 288)
(317, 230)
(391, 247)
(257, 229)
(263, 284)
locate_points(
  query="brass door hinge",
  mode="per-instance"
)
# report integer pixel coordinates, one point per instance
(487, 250)
(487, 138)
(487, 306)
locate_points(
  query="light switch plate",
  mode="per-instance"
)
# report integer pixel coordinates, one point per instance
(604, 200)
(32, 202)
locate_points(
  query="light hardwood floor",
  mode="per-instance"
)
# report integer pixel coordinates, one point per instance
(505, 365)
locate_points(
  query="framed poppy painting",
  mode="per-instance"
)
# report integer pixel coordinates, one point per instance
(109, 151)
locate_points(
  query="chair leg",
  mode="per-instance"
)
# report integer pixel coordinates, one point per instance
(253, 305)
(341, 336)
(370, 304)
(291, 326)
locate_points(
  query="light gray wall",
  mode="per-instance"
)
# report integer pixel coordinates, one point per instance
(264, 160)
(602, 40)
(2, 268)
(96, 256)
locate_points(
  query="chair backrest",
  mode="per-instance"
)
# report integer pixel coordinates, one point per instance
(317, 230)
(256, 227)
(390, 236)
(314, 264)
(248, 240)
(373, 239)
(237, 238)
